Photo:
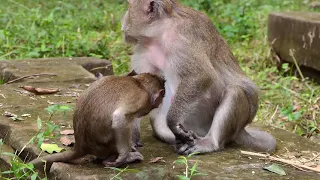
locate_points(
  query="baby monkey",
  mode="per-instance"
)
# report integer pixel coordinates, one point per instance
(105, 116)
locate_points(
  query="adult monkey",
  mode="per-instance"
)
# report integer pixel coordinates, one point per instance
(209, 100)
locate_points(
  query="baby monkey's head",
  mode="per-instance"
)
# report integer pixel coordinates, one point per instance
(153, 84)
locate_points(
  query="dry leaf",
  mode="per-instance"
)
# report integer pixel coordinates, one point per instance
(26, 115)
(67, 132)
(67, 141)
(156, 159)
(40, 91)
(9, 114)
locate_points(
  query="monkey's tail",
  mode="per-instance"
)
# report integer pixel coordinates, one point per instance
(65, 156)
(257, 140)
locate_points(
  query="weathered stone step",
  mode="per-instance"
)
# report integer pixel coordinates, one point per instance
(299, 32)
(229, 164)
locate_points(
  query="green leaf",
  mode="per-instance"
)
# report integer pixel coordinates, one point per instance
(131, 170)
(114, 168)
(64, 108)
(192, 154)
(51, 127)
(6, 172)
(275, 168)
(40, 137)
(34, 176)
(31, 141)
(1, 142)
(50, 148)
(39, 123)
(51, 109)
(194, 168)
(183, 177)
(180, 161)
(200, 174)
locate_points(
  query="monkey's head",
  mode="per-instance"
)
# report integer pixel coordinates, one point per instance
(154, 85)
(143, 14)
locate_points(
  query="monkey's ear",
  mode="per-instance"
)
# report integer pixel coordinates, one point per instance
(132, 73)
(153, 8)
(157, 98)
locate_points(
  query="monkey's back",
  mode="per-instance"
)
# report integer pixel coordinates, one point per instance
(92, 119)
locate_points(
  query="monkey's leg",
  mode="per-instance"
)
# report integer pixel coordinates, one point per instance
(158, 119)
(122, 133)
(136, 133)
(230, 118)
(186, 99)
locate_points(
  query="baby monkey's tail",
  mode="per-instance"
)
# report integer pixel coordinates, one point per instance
(48, 160)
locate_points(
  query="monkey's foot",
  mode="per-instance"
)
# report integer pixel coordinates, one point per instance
(132, 157)
(185, 136)
(200, 146)
(138, 144)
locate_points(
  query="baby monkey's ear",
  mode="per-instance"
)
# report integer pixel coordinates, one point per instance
(157, 98)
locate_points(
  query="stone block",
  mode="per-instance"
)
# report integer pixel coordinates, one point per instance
(299, 32)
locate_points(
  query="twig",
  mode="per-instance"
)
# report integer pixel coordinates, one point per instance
(315, 157)
(275, 112)
(272, 158)
(291, 91)
(101, 67)
(32, 75)
(9, 53)
(296, 63)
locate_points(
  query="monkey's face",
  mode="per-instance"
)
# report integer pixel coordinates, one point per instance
(139, 17)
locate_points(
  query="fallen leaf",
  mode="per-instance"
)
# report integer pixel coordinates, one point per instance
(156, 159)
(9, 114)
(2, 95)
(275, 168)
(12, 116)
(26, 115)
(67, 132)
(40, 91)
(67, 141)
(50, 148)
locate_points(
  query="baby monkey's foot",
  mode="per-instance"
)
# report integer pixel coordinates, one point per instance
(132, 157)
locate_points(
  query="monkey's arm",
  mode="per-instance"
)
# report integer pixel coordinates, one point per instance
(188, 92)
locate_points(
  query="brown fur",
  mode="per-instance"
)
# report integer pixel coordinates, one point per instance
(213, 100)
(104, 118)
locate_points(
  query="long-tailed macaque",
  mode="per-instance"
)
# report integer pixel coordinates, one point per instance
(105, 118)
(209, 100)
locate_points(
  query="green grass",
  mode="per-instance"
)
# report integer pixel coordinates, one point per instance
(37, 29)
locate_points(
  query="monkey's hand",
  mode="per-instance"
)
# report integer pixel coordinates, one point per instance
(185, 137)
(201, 146)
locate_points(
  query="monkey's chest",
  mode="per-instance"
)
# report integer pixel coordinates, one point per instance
(156, 56)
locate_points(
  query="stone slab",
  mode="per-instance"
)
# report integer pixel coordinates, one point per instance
(65, 69)
(229, 164)
(299, 31)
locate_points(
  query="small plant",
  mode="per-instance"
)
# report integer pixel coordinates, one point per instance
(189, 171)
(21, 170)
(121, 171)
(1, 81)
(47, 130)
